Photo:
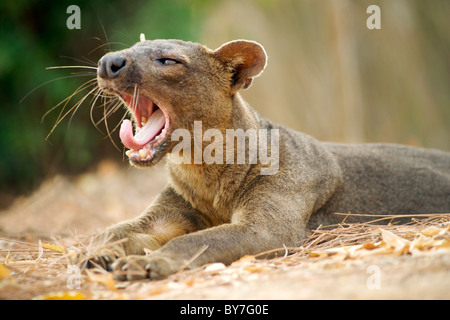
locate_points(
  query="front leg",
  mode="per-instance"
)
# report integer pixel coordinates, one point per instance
(168, 217)
(255, 228)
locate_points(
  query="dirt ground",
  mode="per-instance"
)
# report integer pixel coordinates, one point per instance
(39, 233)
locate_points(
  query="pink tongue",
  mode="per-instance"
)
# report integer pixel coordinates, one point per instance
(147, 133)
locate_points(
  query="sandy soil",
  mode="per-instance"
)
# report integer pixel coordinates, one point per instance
(38, 233)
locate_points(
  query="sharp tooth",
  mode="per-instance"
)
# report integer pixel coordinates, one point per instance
(129, 152)
(143, 154)
(144, 121)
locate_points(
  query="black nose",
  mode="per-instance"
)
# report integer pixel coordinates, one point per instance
(110, 66)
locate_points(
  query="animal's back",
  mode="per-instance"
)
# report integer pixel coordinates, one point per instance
(388, 179)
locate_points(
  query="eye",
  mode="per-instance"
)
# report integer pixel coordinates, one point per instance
(167, 61)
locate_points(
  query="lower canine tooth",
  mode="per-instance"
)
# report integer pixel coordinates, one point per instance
(129, 152)
(142, 154)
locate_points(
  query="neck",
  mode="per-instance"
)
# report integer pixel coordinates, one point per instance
(205, 177)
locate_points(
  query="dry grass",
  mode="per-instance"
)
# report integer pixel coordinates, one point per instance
(357, 234)
(36, 250)
(36, 267)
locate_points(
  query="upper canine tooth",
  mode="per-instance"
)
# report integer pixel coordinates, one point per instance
(144, 120)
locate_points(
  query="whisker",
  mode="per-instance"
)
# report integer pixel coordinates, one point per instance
(109, 46)
(103, 28)
(116, 105)
(79, 104)
(96, 96)
(107, 129)
(71, 67)
(79, 89)
(110, 105)
(135, 97)
(120, 122)
(49, 81)
(86, 60)
(60, 118)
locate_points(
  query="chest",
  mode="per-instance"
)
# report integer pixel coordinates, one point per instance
(210, 189)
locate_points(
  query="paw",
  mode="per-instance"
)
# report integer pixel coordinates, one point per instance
(136, 267)
(97, 259)
(102, 260)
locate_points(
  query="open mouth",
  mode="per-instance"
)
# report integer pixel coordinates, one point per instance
(151, 124)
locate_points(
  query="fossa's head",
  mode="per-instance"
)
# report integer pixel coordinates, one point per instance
(169, 84)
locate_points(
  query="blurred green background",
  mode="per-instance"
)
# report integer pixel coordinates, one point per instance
(328, 75)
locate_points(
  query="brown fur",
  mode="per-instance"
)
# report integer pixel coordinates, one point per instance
(231, 208)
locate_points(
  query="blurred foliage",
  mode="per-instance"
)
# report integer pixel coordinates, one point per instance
(327, 74)
(34, 36)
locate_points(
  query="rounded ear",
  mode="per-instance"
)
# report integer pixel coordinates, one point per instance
(244, 60)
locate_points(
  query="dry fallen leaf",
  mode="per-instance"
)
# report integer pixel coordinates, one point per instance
(318, 254)
(66, 295)
(4, 272)
(103, 278)
(214, 267)
(257, 269)
(431, 231)
(397, 244)
(244, 259)
(53, 247)
(369, 246)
